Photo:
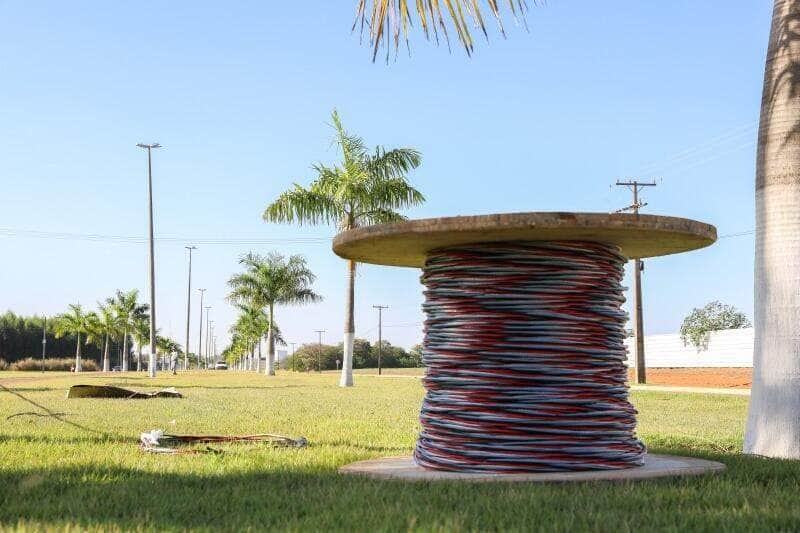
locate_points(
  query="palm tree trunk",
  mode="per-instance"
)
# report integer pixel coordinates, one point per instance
(773, 425)
(139, 358)
(106, 362)
(349, 328)
(271, 344)
(125, 351)
(78, 355)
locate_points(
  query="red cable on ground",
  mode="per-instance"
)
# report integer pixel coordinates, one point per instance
(525, 360)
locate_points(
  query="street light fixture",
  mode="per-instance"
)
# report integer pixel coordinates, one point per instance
(151, 367)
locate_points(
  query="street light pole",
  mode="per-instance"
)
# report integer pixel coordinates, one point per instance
(208, 324)
(152, 365)
(319, 351)
(293, 362)
(200, 338)
(211, 359)
(188, 308)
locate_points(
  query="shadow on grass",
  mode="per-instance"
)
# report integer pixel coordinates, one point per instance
(753, 494)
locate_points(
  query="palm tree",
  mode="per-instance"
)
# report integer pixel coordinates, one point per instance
(773, 425)
(102, 328)
(73, 322)
(250, 326)
(272, 280)
(127, 311)
(365, 188)
(141, 334)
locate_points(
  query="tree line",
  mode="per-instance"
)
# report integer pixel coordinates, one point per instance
(102, 335)
(21, 337)
(314, 356)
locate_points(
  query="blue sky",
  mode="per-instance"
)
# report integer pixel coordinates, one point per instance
(240, 93)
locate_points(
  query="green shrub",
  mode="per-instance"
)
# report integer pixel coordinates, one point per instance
(64, 364)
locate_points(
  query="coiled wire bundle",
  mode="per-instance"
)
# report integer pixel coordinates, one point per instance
(525, 360)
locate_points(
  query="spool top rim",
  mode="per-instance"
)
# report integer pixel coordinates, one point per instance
(408, 243)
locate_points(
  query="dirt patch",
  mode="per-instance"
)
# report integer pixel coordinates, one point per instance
(729, 378)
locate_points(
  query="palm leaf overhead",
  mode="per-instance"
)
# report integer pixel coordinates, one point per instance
(389, 20)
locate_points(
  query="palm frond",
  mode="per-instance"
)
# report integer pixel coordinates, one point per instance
(387, 20)
(304, 206)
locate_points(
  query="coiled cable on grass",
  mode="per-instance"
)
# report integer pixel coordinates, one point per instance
(525, 360)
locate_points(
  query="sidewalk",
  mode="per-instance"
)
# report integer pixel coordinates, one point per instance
(696, 390)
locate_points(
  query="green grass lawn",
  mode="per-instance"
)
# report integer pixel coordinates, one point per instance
(92, 476)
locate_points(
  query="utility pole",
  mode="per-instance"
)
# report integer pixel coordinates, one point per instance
(292, 345)
(188, 308)
(319, 351)
(638, 266)
(380, 309)
(44, 341)
(200, 338)
(211, 338)
(208, 327)
(151, 367)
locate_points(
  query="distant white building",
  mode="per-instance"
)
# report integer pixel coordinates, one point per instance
(726, 348)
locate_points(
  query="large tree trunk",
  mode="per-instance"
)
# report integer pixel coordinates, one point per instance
(78, 367)
(125, 351)
(349, 328)
(106, 362)
(271, 344)
(773, 425)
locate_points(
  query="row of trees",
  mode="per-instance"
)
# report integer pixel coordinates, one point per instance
(365, 355)
(266, 283)
(118, 322)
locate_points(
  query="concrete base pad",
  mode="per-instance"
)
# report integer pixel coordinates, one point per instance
(655, 466)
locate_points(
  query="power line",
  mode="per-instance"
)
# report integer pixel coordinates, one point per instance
(163, 239)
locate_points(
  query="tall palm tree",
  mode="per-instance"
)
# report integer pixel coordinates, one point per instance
(128, 310)
(272, 280)
(773, 425)
(95, 333)
(73, 322)
(365, 188)
(141, 334)
(102, 328)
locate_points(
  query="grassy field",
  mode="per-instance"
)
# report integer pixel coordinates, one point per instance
(89, 474)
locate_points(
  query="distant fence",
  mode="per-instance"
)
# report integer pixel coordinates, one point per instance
(727, 348)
